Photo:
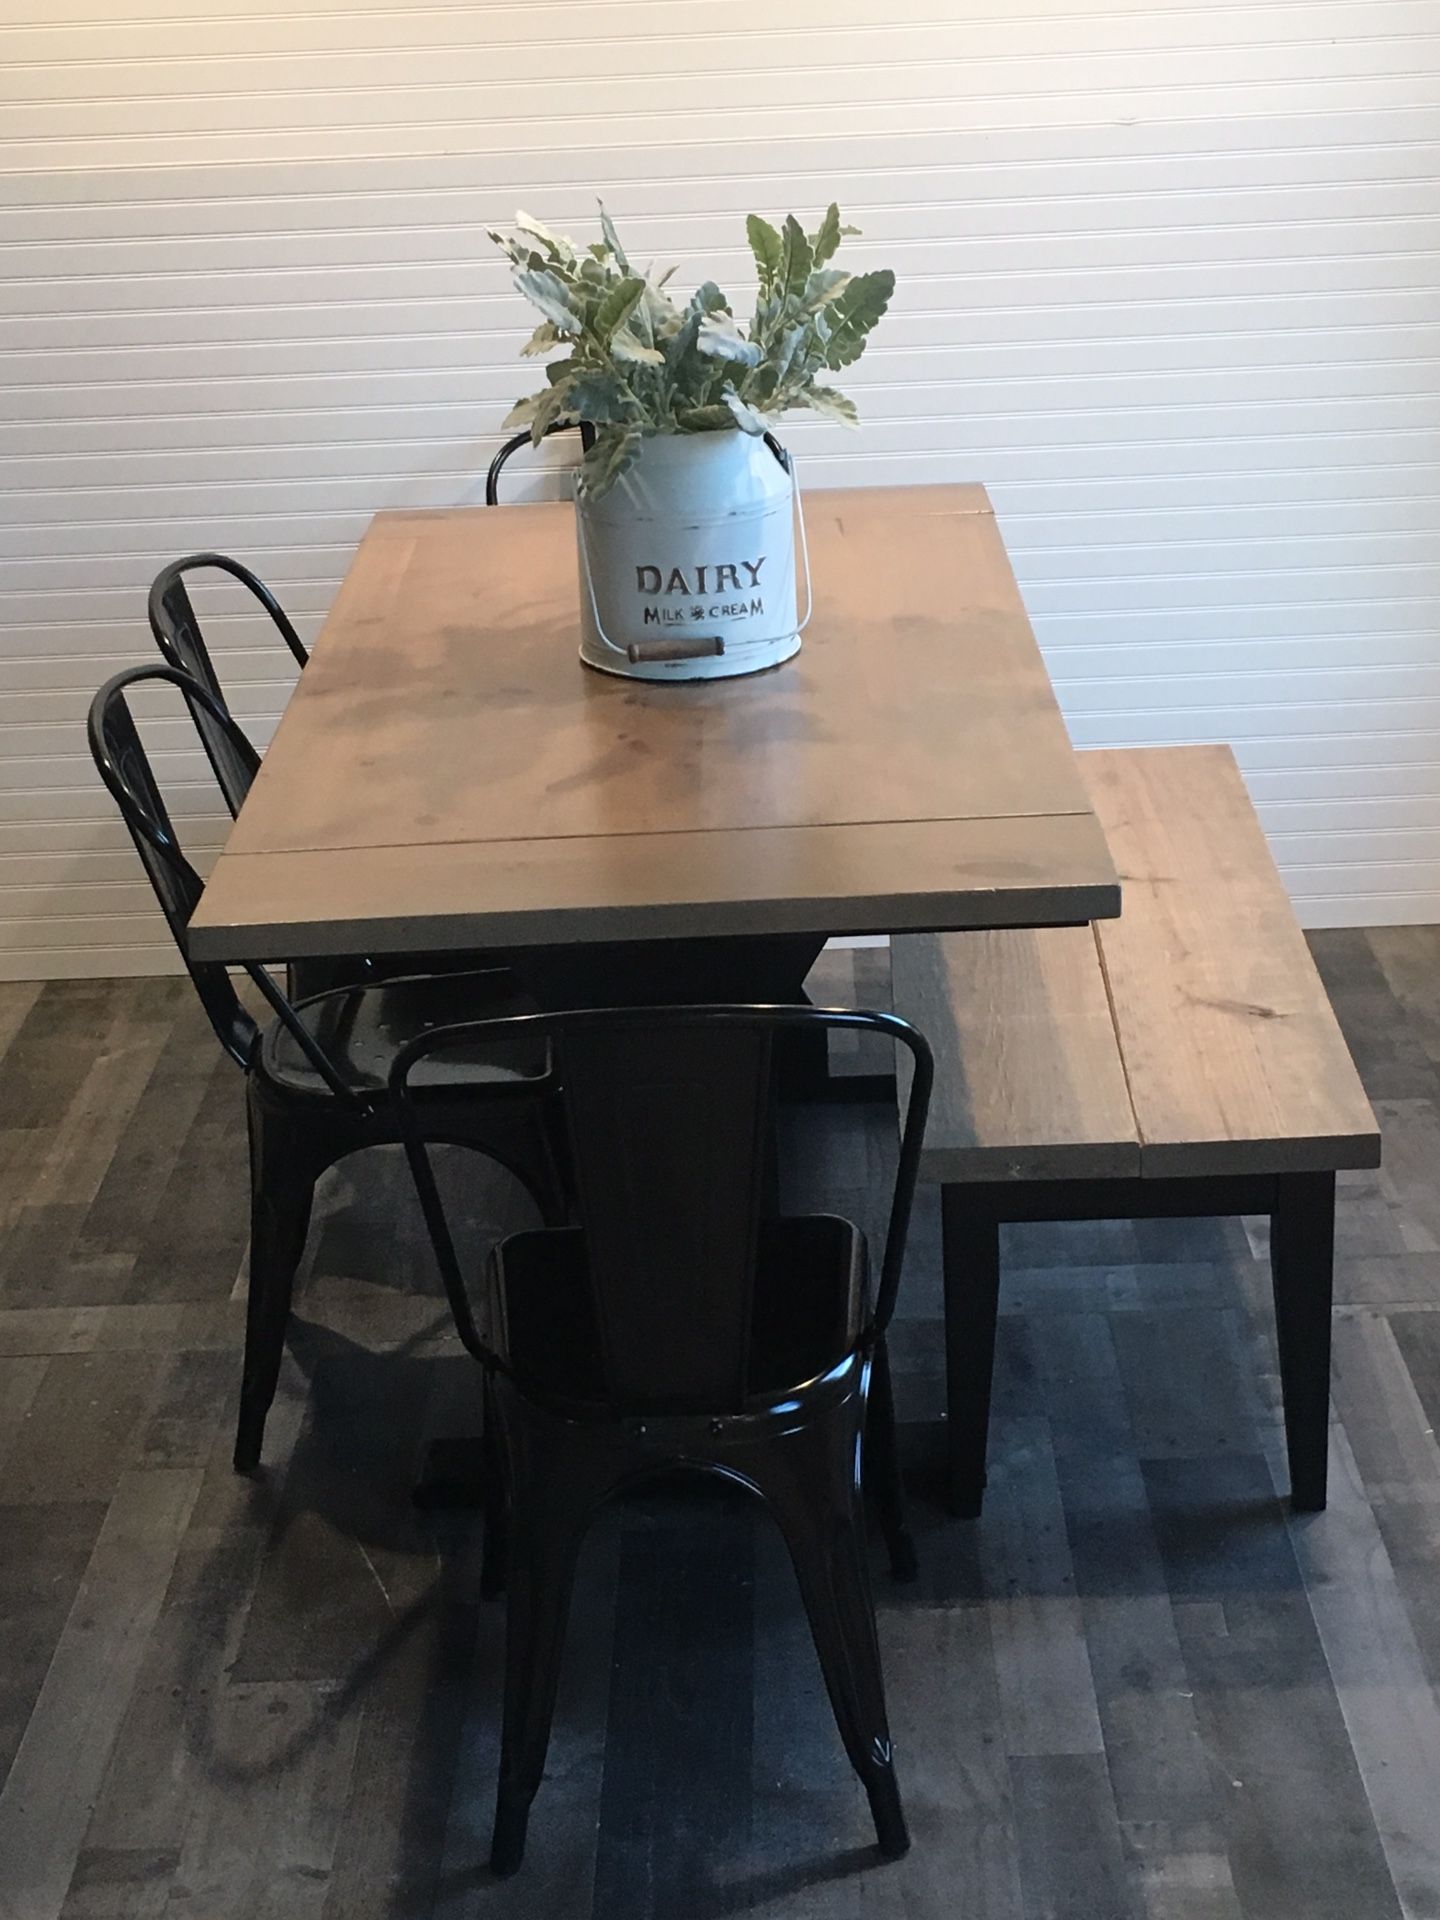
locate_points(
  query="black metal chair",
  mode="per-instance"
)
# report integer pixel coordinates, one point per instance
(317, 1077)
(179, 638)
(515, 443)
(685, 1322)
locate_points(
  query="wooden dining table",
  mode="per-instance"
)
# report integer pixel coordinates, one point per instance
(448, 778)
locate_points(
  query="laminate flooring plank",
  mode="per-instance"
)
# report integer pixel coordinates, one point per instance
(1390, 1054)
(46, 1800)
(20, 1378)
(674, 1810)
(17, 997)
(192, 1414)
(189, 1065)
(100, 1112)
(1299, 1828)
(161, 1763)
(47, 1549)
(347, 1535)
(120, 1883)
(948, 1728)
(1081, 1389)
(51, 1050)
(1407, 1178)
(810, 1852)
(1184, 1393)
(1046, 1689)
(1072, 1863)
(1418, 1337)
(1406, 959)
(37, 1331)
(411, 1709)
(1384, 1691)
(82, 1427)
(1387, 1423)
(197, 1234)
(260, 1844)
(1388, 1280)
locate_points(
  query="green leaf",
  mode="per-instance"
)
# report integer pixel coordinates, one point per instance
(522, 413)
(745, 417)
(721, 339)
(555, 244)
(704, 419)
(541, 340)
(829, 235)
(550, 409)
(634, 352)
(835, 406)
(548, 292)
(617, 306)
(613, 453)
(600, 398)
(797, 258)
(821, 288)
(612, 239)
(854, 314)
(766, 246)
(707, 298)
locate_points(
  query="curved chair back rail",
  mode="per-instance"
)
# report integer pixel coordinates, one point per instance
(513, 446)
(669, 1113)
(180, 639)
(124, 766)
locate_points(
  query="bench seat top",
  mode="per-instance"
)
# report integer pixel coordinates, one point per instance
(1193, 1035)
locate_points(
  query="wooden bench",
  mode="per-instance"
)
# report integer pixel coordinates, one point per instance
(1180, 1061)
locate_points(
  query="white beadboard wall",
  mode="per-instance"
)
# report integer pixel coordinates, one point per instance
(1168, 284)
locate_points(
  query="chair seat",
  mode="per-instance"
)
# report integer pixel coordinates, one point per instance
(361, 1029)
(809, 1303)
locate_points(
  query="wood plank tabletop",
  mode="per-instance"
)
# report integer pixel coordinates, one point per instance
(447, 774)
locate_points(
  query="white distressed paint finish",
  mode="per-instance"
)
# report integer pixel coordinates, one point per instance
(1167, 285)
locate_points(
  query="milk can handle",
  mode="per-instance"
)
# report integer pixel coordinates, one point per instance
(711, 644)
(675, 649)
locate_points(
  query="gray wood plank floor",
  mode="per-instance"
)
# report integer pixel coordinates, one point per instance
(1137, 1690)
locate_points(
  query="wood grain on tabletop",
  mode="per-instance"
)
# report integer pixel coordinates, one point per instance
(444, 708)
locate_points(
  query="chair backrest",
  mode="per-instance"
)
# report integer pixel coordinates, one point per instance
(179, 638)
(124, 766)
(670, 1113)
(513, 446)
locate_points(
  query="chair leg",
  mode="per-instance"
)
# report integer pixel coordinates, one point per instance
(807, 1480)
(971, 1257)
(1302, 1268)
(883, 1460)
(495, 1498)
(555, 1493)
(282, 1186)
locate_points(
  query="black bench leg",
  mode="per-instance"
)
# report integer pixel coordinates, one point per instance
(1302, 1267)
(971, 1252)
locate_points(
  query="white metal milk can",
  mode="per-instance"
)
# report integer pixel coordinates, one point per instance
(687, 563)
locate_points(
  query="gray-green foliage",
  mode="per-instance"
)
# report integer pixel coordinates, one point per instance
(636, 363)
